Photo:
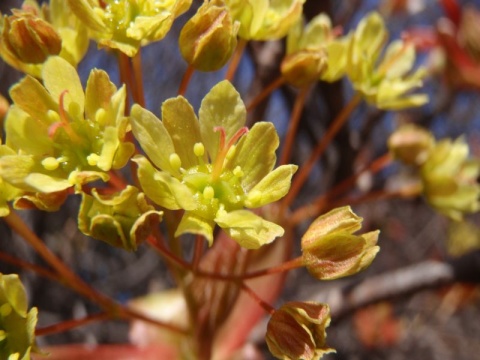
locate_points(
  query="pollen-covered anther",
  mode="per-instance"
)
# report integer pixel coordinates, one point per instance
(175, 161)
(101, 117)
(50, 163)
(238, 172)
(199, 149)
(208, 193)
(92, 159)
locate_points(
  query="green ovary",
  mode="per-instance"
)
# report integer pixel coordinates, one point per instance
(226, 192)
(121, 14)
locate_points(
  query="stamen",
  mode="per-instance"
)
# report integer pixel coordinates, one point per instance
(208, 193)
(199, 149)
(175, 161)
(92, 159)
(50, 163)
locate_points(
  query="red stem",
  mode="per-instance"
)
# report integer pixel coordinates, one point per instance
(186, 80)
(237, 55)
(71, 324)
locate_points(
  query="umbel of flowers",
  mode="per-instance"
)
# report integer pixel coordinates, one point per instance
(212, 167)
(61, 137)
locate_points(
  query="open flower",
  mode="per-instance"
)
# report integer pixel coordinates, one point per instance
(31, 34)
(61, 136)
(211, 167)
(388, 82)
(124, 219)
(450, 179)
(17, 326)
(265, 19)
(128, 24)
(296, 331)
(331, 250)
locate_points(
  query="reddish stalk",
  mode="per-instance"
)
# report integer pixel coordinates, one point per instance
(305, 170)
(267, 307)
(186, 80)
(293, 124)
(237, 55)
(406, 192)
(265, 92)
(29, 266)
(284, 267)
(139, 93)
(70, 279)
(71, 324)
(197, 252)
(317, 205)
(126, 78)
(163, 251)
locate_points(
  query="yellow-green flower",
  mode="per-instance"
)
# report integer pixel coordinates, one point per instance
(32, 34)
(296, 331)
(17, 326)
(314, 52)
(211, 167)
(61, 136)
(128, 24)
(331, 250)
(450, 179)
(387, 82)
(124, 219)
(7, 191)
(265, 19)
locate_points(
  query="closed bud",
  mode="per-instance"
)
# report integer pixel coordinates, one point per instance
(331, 251)
(297, 331)
(304, 67)
(208, 39)
(29, 38)
(411, 144)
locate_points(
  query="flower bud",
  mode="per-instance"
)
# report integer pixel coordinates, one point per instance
(297, 331)
(17, 326)
(29, 38)
(330, 250)
(208, 39)
(411, 144)
(124, 219)
(304, 67)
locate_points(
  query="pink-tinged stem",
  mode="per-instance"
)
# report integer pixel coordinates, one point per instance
(186, 80)
(293, 124)
(305, 169)
(237, 56)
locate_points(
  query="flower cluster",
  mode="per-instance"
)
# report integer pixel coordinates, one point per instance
(448, 176)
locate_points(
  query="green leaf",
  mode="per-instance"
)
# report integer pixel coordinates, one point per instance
(223, 107)
(153, 137)
(182, 125)
(249, 230)
(272, 187)
(193, 224)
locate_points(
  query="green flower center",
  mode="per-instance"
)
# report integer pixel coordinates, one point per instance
(121, 14)
(214, 186)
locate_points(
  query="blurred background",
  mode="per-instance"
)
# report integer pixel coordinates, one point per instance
(420, 315)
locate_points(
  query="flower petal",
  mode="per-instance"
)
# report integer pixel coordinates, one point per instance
(193, 224)
(153, 137)
(223, 107)
(272, 187)
(182, 124)
(255, 154)
(249, 230)
(162, 188)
